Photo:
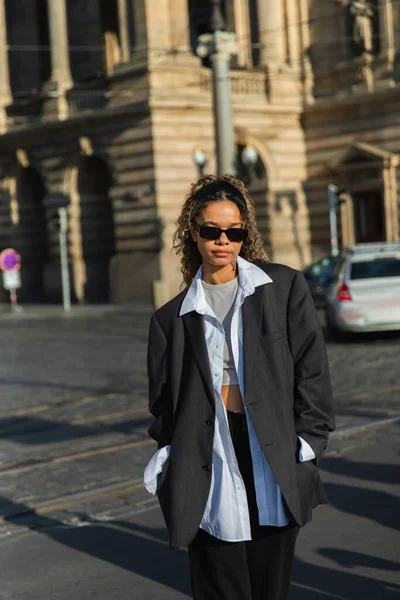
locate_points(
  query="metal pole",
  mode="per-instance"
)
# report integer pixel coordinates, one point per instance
(13, 298)
(224, 129)
(66, 290)
(332, 194)
(219, 46)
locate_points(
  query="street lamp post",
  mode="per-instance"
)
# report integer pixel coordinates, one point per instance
(62, 235)
(200, 160)
(219, 46)
(249, 157)
(335, 200)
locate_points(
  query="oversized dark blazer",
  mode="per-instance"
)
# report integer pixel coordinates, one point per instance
(287, 393)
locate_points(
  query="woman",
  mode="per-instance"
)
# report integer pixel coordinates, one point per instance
(240, 391)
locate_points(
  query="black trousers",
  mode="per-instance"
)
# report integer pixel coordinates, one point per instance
(255, 570)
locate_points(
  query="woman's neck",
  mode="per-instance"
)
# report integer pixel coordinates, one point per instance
(216, 276)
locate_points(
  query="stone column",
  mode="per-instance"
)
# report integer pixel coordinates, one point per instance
(386, 25)
(60, 67)
(347, 221)
(5, 89)
(179, 23)
(158, 27)
(306, 66)
(272, 31)
(242, 28)
(293, 32)
(124, 31)
(152, 29)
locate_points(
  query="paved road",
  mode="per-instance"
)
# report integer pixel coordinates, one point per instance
(73, 444)
(349, 551)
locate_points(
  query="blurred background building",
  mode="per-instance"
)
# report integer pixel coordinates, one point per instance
(103, 101)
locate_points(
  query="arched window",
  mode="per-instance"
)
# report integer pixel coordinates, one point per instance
(29, 235)
(96, 227)
(256, 180)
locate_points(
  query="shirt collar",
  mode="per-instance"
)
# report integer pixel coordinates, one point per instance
(250, 276)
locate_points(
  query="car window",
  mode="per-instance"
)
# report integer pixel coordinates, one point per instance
(321, 272)
(340, 268)
(382, 267)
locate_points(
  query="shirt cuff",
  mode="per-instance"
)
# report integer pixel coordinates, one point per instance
(154, 468)
(305, 452)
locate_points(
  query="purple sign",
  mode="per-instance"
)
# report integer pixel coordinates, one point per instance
(10, 260)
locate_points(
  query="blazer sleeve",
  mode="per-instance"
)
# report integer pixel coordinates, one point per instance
(313, 403)
(159, 397)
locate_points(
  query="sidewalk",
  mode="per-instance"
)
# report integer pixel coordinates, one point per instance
(349, 551)
(56, 311)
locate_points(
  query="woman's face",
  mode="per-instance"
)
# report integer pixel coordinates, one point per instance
(221, 252)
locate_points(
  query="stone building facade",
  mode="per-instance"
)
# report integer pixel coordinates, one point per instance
(352, 126)
(103, 101)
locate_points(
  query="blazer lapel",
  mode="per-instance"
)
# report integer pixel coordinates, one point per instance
(193, 324)
(252, 311)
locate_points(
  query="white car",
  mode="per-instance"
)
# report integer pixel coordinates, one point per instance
(365, 293)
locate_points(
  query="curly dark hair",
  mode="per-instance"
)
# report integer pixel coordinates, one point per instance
(210, 189)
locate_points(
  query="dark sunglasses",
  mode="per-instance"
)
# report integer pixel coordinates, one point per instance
(214, 233)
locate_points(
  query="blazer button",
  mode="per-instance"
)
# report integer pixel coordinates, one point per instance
(206, 468)
(209, 422)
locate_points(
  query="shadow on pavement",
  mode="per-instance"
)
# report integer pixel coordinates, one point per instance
(381, 473)
(121, 546)
(379, 506)
(348, 558)
(34, 430)
(310, 582)
(141, 550)
(144, 551)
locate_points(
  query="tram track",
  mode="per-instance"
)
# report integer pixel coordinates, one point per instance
(31, 463)
(108, 420)
(17, 510)
(99, 493)
(54, 457)
(56, 404)
(22, 428)
(112, 394)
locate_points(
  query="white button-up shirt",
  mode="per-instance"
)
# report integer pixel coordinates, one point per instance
(226, 514)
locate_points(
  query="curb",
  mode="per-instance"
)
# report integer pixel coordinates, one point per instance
(33, 312)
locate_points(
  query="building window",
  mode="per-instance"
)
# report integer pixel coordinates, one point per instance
(84, 39)
(254, 33)
(28, 40)
(200, 12)
(44, 40)
(110, 32)
(131, 25)
(396, 27)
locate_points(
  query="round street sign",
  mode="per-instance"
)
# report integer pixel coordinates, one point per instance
(10, 260)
